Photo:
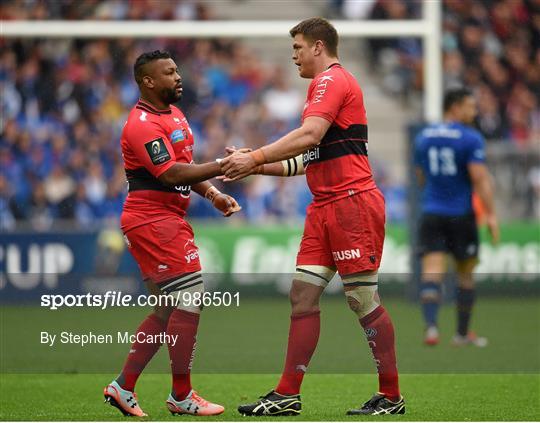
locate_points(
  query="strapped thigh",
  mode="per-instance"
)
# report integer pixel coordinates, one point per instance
(315, 274)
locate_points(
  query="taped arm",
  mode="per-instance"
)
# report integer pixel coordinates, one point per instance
(288, 167)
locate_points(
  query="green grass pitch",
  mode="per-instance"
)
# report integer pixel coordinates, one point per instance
(240, 352)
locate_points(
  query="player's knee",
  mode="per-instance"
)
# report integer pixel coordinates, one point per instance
(430, 292)
(361, 294)
(362, 300)
(354, 305)
(304, 298)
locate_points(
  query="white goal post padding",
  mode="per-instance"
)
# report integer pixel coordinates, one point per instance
(428, 28)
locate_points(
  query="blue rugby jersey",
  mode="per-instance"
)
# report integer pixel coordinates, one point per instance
(443, 152)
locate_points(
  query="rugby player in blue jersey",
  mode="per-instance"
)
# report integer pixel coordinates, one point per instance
(450, 164)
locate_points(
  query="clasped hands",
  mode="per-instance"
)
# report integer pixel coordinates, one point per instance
(237, 164)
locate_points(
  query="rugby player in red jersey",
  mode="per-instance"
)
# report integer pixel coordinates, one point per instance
(344, 228)
(157, 147)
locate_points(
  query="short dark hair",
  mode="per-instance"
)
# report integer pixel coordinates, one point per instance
(454, 96)
(143, 59)
(314, 29)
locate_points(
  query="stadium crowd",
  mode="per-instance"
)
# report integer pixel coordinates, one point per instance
(64, 102)
(491, 46)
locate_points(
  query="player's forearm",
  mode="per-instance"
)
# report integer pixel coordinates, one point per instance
(270, 169)
(484, 190)
(291, 145)
(190, 174)
(289, 167)
(201, 188)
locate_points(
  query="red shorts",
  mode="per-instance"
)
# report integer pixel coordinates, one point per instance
(347, 234)
(164, 249)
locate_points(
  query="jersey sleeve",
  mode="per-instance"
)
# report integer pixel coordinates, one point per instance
(152, 148)
(328, 93)
(475, 151)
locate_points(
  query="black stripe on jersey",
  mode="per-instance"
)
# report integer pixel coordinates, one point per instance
(140, 179)
(353, 132)
(335, 150)
(342, 148)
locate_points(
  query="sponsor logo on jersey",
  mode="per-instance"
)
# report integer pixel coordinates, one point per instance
(184, 190)
(177, 120)
(142, 117)
(346, 254)
(177, 136)
(320, 88)
(310, 156)
(157, 151)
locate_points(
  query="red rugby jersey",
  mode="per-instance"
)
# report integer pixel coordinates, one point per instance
(152, 141)
(338, 166)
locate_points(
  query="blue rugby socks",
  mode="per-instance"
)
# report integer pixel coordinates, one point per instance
(430, 297)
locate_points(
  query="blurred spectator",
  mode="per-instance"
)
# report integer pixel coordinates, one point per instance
(40, 213)
(7, 220)
(491, 46)
(282, 102)
(59, 188)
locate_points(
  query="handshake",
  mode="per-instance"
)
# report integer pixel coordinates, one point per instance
(236, 165)
(239, 163)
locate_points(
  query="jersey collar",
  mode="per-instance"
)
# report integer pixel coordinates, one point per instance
(143, 105)
(333, 64)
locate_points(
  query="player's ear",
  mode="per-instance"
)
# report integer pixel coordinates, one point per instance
(148, 81)
(318, 47)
